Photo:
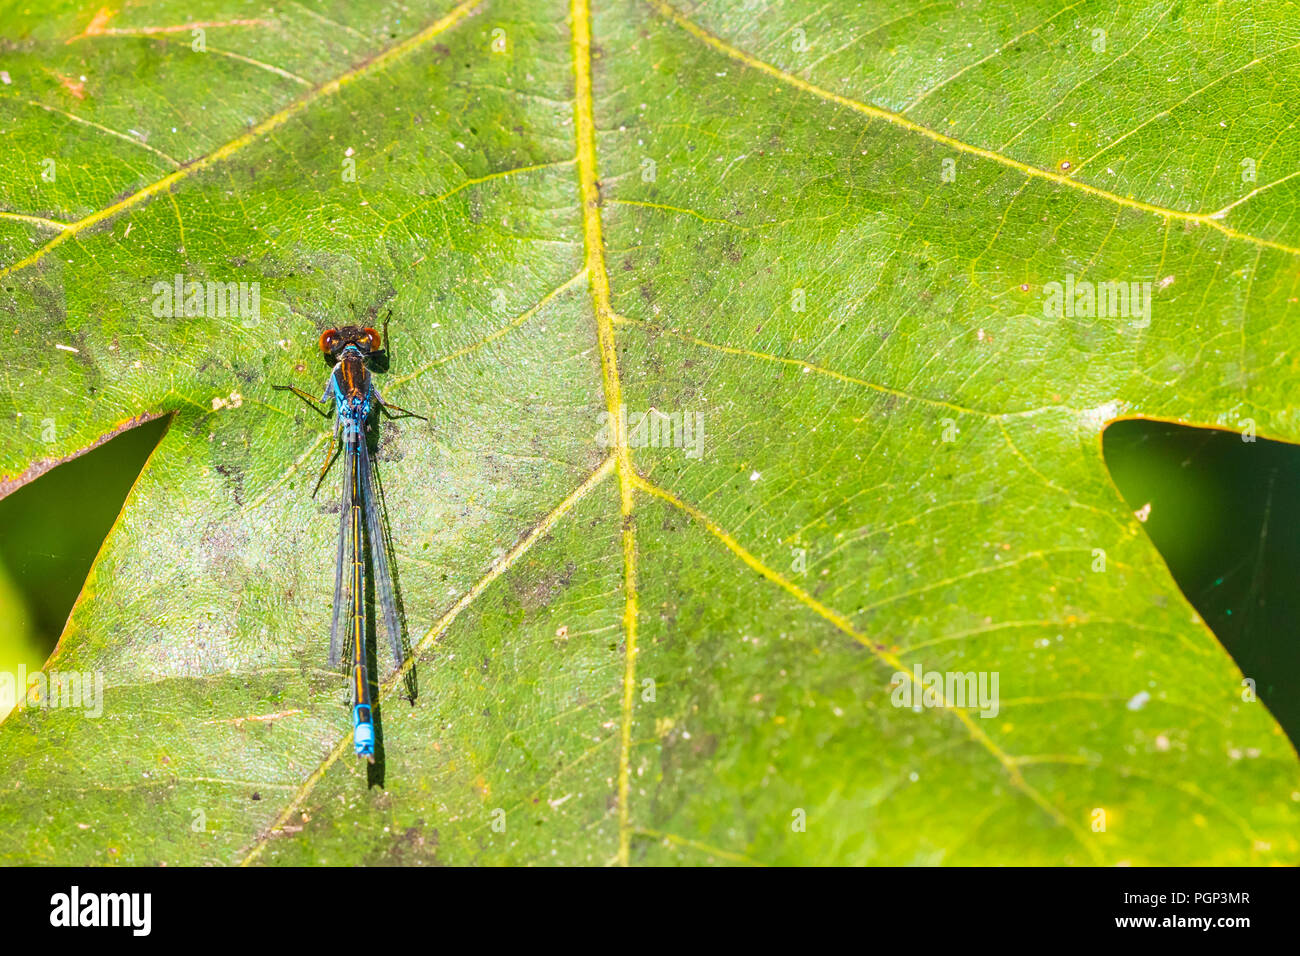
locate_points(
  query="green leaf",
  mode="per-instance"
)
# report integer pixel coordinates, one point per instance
(639, 653)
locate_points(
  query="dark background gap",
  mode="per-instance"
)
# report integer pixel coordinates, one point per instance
(52, 528)
(1225, 515)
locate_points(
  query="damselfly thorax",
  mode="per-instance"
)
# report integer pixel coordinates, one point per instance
(351, 377)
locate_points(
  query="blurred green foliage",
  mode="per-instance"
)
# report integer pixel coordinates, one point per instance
(1224, 514)
(50, 532)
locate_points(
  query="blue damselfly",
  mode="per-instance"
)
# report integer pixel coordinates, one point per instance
(351, 396)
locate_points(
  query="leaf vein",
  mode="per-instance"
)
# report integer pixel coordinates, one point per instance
(449, 20)
(876, 112)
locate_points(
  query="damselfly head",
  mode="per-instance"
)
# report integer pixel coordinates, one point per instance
(334, 341)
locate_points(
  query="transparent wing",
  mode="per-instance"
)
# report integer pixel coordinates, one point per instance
(384, 595)
(342, 595)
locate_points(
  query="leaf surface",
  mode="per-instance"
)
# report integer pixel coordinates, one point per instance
(644, 652)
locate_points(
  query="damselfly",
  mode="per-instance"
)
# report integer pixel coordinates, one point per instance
(354, 352)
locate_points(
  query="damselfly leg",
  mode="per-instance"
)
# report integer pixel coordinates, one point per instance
(388, 408)
(320, 408)
(330, 456)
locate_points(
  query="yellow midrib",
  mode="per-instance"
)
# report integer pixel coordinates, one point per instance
(598, 281)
